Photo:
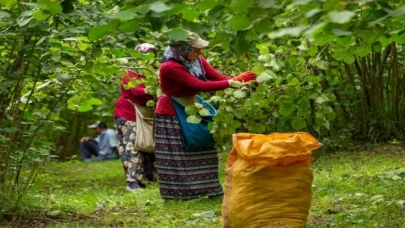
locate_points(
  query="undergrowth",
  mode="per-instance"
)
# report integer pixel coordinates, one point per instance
(350, 189)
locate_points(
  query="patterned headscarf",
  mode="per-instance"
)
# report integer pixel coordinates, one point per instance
(179, 54)
(145, 47)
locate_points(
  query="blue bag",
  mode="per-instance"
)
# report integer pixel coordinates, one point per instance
(195, 135)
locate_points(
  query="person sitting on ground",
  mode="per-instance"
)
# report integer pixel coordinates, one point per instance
(104, 147)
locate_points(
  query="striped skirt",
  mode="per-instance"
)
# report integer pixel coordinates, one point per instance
(183, 173)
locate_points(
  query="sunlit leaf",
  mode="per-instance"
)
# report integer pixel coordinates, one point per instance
(263, 48)
(85, 108)
(215, 99)
(321, 99)
(94, 101)
(341, 17)
(313, 50)
(312, 12)
(150, 103)
(40, 41)
(239, 94)
(264, 77)
(398, 12)
(293, 31)
(315, 29)
(266, 3)
(258, 69)
(55, 212)
(159, 7)
(204, 112)
(302, 2)
(82, 46)
(195, 119)
(4, 14)
(339, 32)
(198, 105)
(376, 198)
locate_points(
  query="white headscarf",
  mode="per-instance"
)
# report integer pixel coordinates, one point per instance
(145, 47)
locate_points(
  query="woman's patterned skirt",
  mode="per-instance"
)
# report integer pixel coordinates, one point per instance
(183, 173)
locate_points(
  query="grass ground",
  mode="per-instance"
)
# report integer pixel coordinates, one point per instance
(350, 189)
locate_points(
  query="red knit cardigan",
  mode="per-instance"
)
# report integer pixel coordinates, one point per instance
(176, 80)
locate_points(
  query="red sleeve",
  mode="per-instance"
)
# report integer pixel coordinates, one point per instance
(179, 74)
(211, 73)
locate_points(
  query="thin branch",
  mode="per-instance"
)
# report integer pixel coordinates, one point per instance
(35, 132)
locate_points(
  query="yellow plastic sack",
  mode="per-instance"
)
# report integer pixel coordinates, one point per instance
(268, 180)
